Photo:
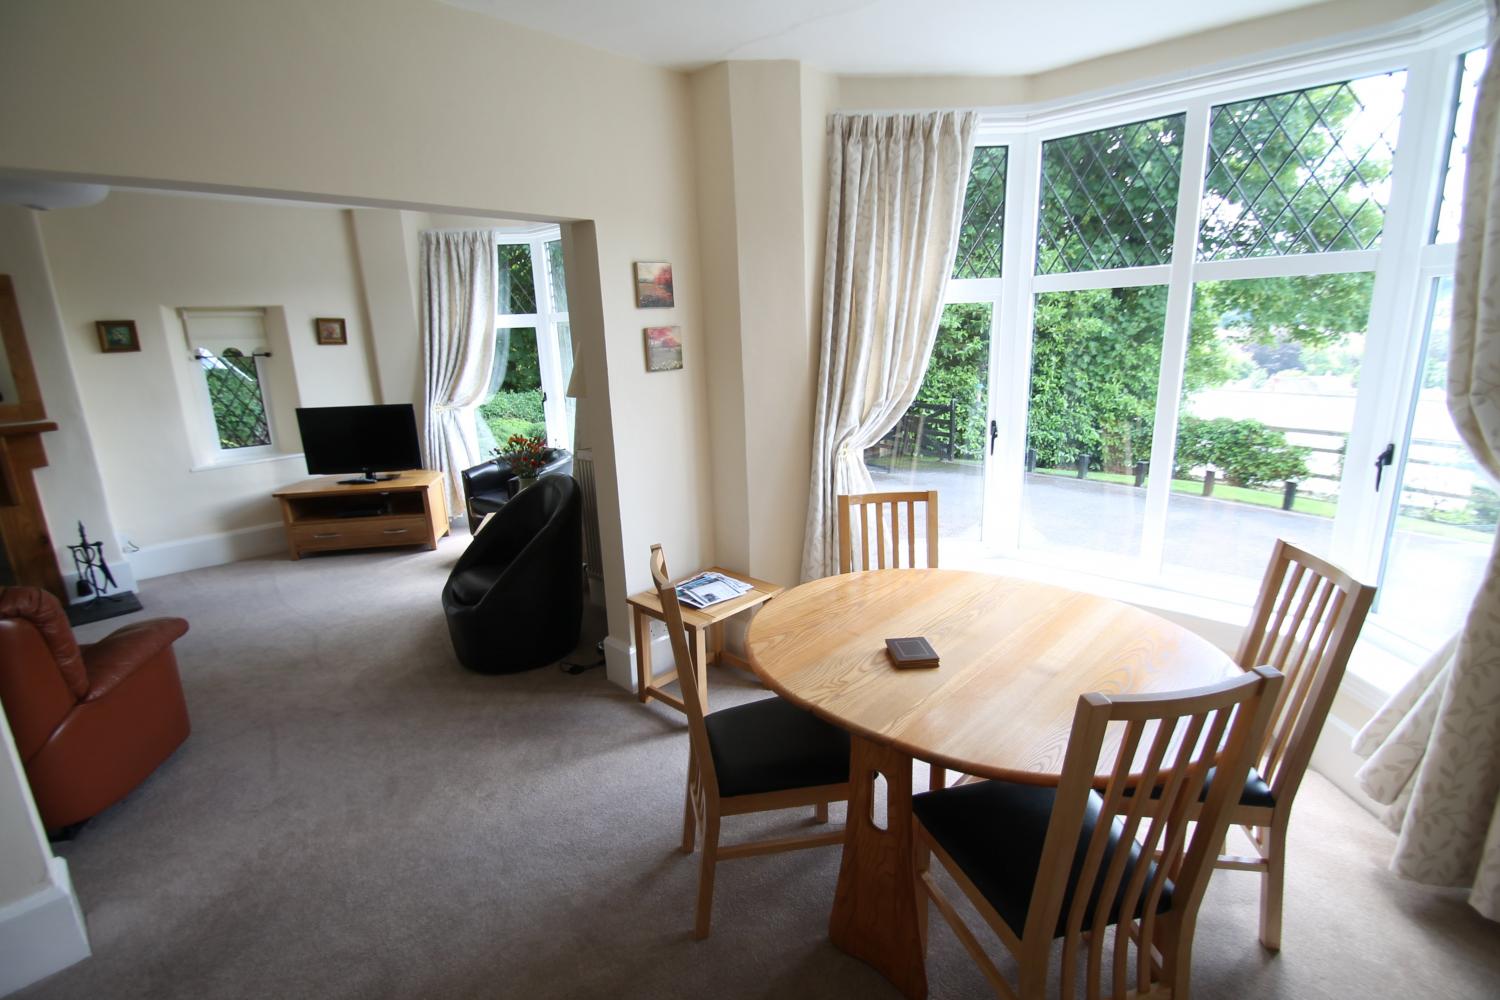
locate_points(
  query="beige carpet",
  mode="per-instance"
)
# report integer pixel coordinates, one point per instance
(356, 816)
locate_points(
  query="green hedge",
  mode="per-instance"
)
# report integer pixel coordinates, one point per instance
(1246, 452)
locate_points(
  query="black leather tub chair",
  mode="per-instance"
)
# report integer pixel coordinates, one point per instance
(514, 600)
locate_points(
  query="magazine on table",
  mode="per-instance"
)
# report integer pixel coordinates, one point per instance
(710, 588)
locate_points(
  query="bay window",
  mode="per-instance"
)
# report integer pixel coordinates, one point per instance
(1187, 325)
(533, 346)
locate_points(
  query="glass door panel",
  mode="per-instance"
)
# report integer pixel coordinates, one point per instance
(514, 402)
(941, 441)
(1444, 527)
(1095, 360)
(1268, 403)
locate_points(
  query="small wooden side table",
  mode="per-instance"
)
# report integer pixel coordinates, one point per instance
(705, 629)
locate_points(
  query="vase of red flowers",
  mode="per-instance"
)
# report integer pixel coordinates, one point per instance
(525, 456)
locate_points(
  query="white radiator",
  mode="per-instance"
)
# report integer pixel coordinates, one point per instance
(583, 471)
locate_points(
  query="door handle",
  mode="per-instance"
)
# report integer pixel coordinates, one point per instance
(1386, 458)
(994, 433)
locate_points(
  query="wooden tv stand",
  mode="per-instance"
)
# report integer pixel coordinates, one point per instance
(323, 516)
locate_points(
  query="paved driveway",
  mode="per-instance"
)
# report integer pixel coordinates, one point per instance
(1215, 547)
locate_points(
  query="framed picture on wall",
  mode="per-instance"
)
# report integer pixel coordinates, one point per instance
(653, 284)
(331, 331)
(663, 348)
(117, 335)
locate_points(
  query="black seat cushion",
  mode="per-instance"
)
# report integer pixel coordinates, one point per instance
(994, 831)
(1256, 794)
(772, 745)
(470, 585)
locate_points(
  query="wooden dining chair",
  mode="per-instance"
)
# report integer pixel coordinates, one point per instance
(756, 757)
(880, 548)
(1305, 623)
(1040, 862)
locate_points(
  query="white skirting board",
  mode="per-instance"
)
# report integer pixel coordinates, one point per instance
(42, 933)
(208, 550)
(619, 662)
(619, 655)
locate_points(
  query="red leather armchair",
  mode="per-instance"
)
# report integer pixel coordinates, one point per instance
(90, 722)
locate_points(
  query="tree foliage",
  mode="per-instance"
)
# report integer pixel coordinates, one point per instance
(1284, 178)
(960, 371)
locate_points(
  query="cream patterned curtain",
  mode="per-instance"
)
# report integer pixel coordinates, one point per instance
(459, 303)
(1434, 749)
(895, 197)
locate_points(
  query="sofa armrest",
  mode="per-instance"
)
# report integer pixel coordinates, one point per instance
(488, 477)
(113, 658)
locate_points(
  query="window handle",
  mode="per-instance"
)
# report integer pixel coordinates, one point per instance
(1386, 458)
(994, 433)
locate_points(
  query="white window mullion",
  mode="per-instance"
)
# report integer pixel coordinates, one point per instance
(1010, 348)
(1392, 332)
(1119, 277)
(553, 402)
(977, 289)
(1289, 266)
(1175, 335)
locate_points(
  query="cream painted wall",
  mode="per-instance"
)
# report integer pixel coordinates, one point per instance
(1203, 51)
(384, 241)
(719, 259)
(760, 132)
(245, 97)
(70, 486)
(776, 335)
(24, 853)
(142, 257)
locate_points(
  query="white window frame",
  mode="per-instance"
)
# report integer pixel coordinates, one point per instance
(544, 321)
(209, 453)
(1404, 265)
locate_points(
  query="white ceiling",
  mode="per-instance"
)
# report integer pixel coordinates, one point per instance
(989, 37)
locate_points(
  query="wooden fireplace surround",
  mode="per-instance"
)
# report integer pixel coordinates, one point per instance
(27, 556)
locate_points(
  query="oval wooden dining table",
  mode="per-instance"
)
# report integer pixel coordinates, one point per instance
(1014, 654)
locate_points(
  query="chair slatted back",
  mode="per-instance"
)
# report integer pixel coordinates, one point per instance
(1305, 623)
(1168, 742)
(687, 677)
(878, 547)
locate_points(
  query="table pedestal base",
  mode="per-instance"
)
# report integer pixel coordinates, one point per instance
(875, 910)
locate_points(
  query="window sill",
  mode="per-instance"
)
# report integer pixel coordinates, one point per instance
(234, 463)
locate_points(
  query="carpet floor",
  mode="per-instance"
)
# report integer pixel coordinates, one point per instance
(354, 815)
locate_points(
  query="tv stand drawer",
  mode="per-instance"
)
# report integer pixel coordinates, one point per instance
(360, 533)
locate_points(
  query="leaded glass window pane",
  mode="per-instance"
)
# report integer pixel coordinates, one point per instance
(556, 276)
(517, 290)
(234, 393)
(1302, 172)
(981, 232)
(1446, 230)
(1109, 198)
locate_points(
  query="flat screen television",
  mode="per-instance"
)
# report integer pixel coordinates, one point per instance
(363, 439)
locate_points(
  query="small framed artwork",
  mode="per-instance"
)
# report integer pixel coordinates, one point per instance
(663, 348)
(117, 335)
(653, 284)
(331, 331)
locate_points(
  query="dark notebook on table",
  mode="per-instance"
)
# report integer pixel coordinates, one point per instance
(911, 652)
